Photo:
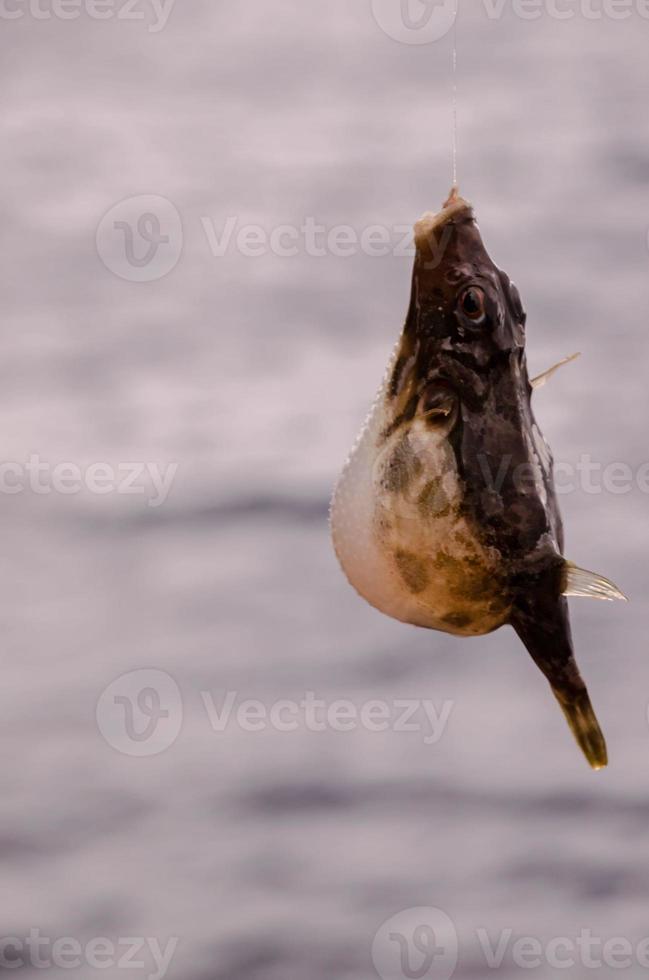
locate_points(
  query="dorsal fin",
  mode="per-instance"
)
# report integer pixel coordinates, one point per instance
(580, 582)
(545, 377)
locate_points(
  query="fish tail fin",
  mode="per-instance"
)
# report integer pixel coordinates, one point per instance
(584, 726)
(542, 622)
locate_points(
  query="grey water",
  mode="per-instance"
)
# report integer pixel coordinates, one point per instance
(268, 853)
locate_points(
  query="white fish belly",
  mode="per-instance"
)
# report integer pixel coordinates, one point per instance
(401, 537)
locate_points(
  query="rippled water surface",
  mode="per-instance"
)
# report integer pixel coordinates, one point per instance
(277, 855)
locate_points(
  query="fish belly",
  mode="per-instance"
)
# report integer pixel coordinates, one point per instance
(403, 541)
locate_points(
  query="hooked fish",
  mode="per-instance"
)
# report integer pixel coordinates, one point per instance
(445, 515)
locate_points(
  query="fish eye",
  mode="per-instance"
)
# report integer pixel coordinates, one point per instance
(472, 304)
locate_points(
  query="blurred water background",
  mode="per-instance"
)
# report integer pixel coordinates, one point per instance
(271, 854)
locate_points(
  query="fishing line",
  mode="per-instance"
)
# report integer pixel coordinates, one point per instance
(455, 95)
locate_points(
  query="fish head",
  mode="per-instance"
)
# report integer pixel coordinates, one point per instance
(463, 342)
(459, 392)
(460, 299)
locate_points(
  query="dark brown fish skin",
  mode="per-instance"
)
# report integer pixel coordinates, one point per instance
(509, 494)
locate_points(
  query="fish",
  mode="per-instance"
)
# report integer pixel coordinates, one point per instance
(445, 515)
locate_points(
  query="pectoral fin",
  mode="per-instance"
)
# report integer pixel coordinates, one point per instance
(545, 377)
(579, 582)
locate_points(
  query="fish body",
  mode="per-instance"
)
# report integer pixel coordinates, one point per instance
(445, 515)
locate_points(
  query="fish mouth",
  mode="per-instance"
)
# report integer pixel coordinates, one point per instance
(430, 224)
